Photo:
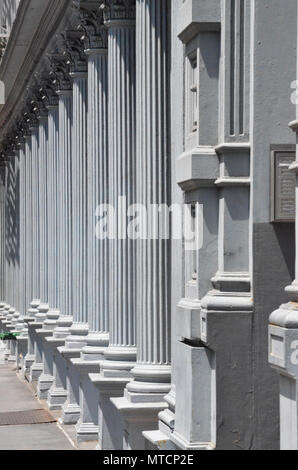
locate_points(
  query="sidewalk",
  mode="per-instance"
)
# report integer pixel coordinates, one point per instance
(16, 396)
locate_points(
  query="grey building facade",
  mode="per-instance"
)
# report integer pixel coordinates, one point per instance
(148, 342)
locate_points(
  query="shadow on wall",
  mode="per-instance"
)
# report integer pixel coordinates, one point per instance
(274, 269)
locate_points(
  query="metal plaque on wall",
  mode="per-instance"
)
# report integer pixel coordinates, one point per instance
(283, 183)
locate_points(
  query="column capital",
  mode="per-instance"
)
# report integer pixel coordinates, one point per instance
(20, 139)
(122, 11)
(31, 119)
(47, 91)
(73, 52)
(59, 73)
(90, 22)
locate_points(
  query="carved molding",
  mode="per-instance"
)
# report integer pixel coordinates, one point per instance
(95, 34)
(73, 52)
(59, 72)
(118, 10)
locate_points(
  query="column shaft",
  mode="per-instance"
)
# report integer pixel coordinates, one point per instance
(64, 203)
(35, 235)
(122, 182)
(79, 196)
(29, 247)
(52, 199)
(98, 255)
(153, 187)
(43, 207)
(23, 257)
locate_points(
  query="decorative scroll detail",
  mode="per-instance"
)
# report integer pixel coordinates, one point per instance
(59, 72)
(73, 52)
(95, 34)
(20, 134)
(118, 10)
(48, 92)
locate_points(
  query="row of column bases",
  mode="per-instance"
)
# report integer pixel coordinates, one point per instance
(108, 368)
(49, 353)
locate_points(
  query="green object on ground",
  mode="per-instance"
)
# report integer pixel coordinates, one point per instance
(6, 336)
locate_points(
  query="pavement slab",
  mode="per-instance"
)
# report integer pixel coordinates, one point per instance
(16, 395)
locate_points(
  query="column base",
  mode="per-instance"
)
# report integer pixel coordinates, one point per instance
(56, 398)
(27, 364)
(70, 414)
(21, 350)
(35, 372)
(45, 382)
(111, 422)
(88, 399)
(139, 416)
(182, 444)
(158, 440)
(87, 432)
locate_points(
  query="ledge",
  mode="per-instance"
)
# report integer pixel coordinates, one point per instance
(109, 385)
(197, 16)
(197, 168)
(138, 412)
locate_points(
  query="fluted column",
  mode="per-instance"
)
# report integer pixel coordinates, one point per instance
(79, 185)
(23, 273)
(35, 237)
(29, 246)
(97, 193)
(58, 393)
(52, 198)
(79, 329)
(74, 343)
(120, 21)
(153, 370)
(43, 205)
(64, 202)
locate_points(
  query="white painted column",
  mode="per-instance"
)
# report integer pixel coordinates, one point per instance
(153, 370)
(22, 340)
(152, 373)
(79, 329)
(121, 353)
(97, 249)
(29, 247)
(45, 310)
(64, 201)
(97, 194)
(49, 156)
(52, 201)
(35, 239)
(23, 274)
(32, 311)
(43, 205)
(58, 392)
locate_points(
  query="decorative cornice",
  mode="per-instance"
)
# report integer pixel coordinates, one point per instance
(118, 10)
